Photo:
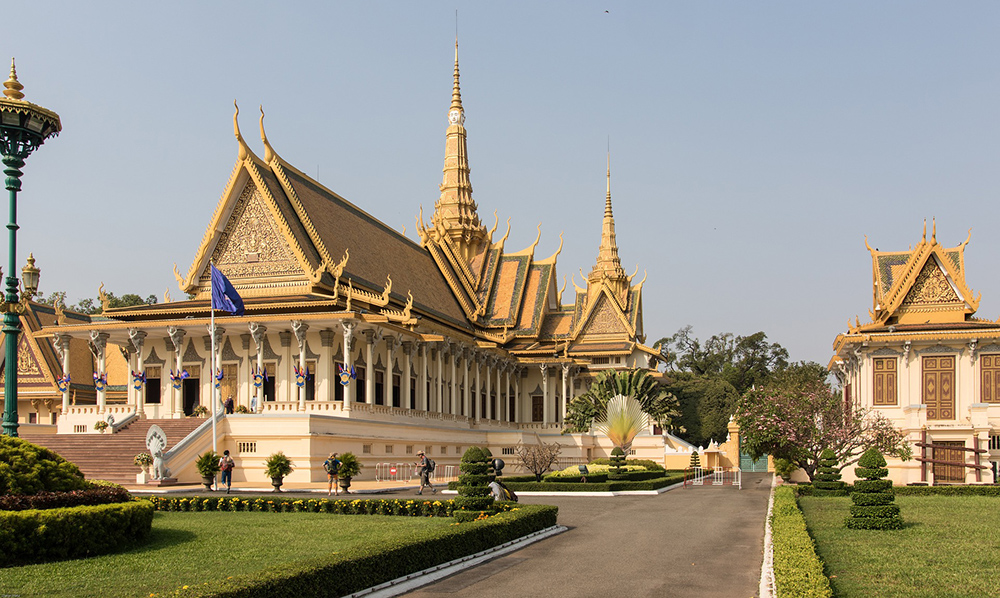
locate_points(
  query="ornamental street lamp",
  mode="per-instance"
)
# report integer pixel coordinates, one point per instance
(23, 128)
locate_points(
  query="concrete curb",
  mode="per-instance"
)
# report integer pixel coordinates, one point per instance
(595, 494)
(410, 582)
(767, 566)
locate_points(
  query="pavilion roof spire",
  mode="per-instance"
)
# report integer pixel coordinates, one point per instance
(608, 264)
(455, 212)
(12, 86)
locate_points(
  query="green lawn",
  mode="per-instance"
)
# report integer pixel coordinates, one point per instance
(948, 546)
(191, 548)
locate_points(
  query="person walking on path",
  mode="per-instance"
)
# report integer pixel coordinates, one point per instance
(424, 469)
(332, 467)
(226, 465)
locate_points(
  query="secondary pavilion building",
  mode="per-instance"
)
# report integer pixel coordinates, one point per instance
(925, 362)
(452, 341)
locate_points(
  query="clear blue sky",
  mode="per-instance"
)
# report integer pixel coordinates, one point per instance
(753, 144)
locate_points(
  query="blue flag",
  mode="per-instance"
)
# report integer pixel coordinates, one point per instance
(224, 295)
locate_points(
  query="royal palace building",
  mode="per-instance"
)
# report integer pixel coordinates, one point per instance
(354, 336)
(925, 362)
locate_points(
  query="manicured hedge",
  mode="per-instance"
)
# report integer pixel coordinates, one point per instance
(650, 465)
(635, 476)
(798, 572)
(374, 506)
(361, 567)
(985, 490)
(27, 468)
(98, 495)
(38, 536)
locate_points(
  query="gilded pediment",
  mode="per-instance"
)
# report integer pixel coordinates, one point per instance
(252, 246)
(931, 286)
(605, 319)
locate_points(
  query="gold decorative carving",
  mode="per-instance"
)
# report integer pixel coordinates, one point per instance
(27, 365)
(105, 300)
(931, 286)
(251, 245)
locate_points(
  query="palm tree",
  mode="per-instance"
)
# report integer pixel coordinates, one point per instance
(584, 410)
(624, 420)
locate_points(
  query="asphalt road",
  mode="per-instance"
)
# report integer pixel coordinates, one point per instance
(689, 542)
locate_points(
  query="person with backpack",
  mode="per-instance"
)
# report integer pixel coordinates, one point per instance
(424, 467)
(226, 466)
(332, 467)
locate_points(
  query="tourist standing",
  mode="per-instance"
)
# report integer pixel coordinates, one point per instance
(424, 469)
(226, 465)
(229, 404)
(332, 467)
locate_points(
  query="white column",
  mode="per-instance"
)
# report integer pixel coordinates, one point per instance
(219, 335)
(423, 401)
(439, 383)
(299, 328)
(348, 361)
(453, 360)
(499, 401)
(488, 409)
(404, 391)
(518, 399)
(476, 395)
(99, 342)
(506, 393)
(326, 370)
(138, 338)
(465, 382)
(177, 394)
(390, 349)
(546, 410)
(565, 379)
(61, 345)
(257, 333)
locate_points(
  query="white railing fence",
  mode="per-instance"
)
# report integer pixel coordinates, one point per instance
(717, 476)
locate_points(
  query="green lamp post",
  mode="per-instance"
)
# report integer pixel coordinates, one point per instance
(23, 128)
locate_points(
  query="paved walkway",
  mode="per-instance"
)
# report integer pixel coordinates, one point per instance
(689, 542)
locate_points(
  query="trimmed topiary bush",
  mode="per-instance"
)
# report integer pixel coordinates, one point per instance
(827, 482)
(617, 470)
(27, 468)
(474, 496)
(695, 460)
(872, 497)
(38, 536)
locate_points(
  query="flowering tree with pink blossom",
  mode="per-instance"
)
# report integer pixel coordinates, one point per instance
(798, 422)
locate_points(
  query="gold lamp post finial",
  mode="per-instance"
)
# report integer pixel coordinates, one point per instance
(12, 85)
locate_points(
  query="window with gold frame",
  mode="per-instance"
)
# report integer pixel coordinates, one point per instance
(884, 383)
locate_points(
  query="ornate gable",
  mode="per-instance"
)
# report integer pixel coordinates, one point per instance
(252, 246)
(922, 286)
(605, 320)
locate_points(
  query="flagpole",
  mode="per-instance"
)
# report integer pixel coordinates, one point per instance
(214, 413)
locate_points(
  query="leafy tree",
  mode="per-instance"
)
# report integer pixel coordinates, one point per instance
(592, 406)
(94, 306)
(797, 423)
(705, 403)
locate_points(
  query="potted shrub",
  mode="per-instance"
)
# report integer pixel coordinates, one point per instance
(276, 467)
(208, 467)
(349, 468)
(199, 411)
(143, 460)
(784, 468)
(101, 426)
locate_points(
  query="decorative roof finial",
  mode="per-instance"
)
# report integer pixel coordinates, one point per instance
(244, 150)
(934, 230)
(925, 231)
(12, 85)
(269, 153)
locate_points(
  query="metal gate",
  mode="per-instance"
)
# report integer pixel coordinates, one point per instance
(748, 464)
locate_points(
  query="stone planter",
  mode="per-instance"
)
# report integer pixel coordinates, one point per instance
(276, 482)
(208, 480)
(345, 483)
(142, 478)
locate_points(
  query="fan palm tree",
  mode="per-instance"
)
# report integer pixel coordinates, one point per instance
(584, 410)
(624, 419)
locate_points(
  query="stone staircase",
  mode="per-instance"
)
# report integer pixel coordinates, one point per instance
(109, 456)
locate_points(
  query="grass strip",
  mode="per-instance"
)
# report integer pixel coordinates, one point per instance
(946, 549)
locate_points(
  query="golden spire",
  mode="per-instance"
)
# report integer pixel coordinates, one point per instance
(12, 85)
(455, 212)
(608, 264)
